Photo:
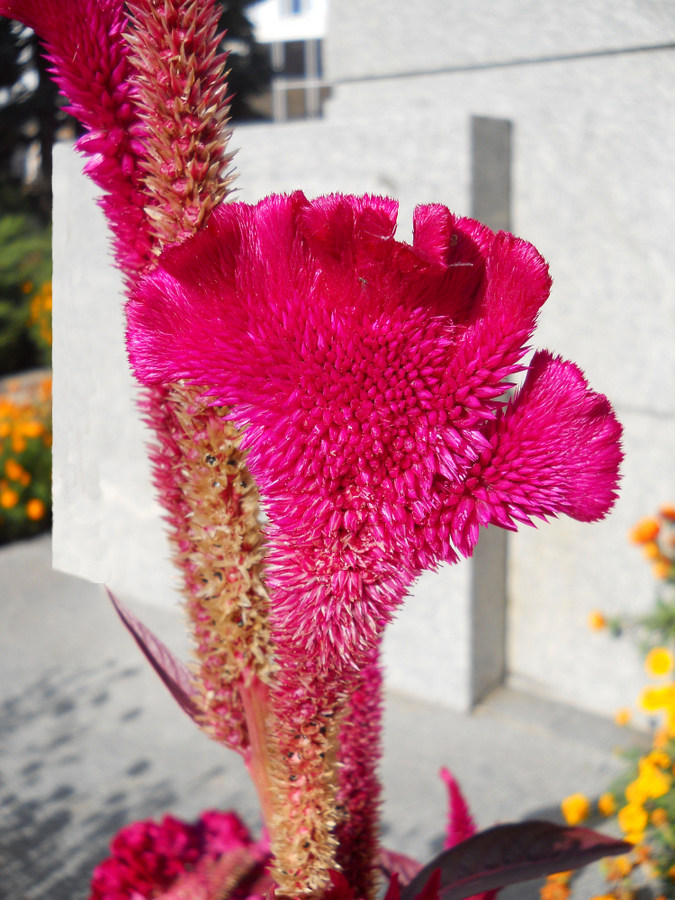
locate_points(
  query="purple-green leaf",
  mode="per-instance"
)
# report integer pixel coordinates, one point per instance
(169, 668)
(508, 854)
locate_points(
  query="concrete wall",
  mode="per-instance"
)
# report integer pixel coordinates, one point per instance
(593, 188)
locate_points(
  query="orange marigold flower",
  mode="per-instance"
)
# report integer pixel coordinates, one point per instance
(32, 429)
(651, 550)
(561, 877)
(645, 530)
(575, 808)
(8, 498)
(607, 804)
(659, 758)
(661, 738)
(622, 716)
(642, 854)
(667, 512)
(661, 569)
(659, 817)
(554, 889)
(14, 470)
(619, 867)
(35, 509)
(658, 662)
(596, 620)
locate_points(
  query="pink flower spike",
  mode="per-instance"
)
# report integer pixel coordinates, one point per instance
(84, 42)
(461, 825)
(359, 789)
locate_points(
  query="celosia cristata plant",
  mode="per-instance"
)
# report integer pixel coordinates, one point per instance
(296, 349)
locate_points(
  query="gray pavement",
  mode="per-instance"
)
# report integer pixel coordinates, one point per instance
(91, 740)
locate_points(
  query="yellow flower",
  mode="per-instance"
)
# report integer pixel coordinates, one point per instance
(636, 792)
(8, 498)
(632, 821)
(659, 758)
(607, 804)
(655, 698)
(575, 808)
(634, 837)
(35, 509)
(596, 620)
(622, 716)
(645, 530)
(658, 662)
(653, 780)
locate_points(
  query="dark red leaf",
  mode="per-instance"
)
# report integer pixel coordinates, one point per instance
(508, 854)
(169, 668)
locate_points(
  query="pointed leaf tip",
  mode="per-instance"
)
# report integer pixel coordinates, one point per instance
(508, 854)
(170, 669)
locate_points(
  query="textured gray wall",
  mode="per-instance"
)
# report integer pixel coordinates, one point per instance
(594, 139)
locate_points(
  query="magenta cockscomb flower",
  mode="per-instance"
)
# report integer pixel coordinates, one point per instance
(369, 375)
(212, 857)
(369, 378)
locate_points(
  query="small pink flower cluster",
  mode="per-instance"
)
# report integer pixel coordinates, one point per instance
(148, 857)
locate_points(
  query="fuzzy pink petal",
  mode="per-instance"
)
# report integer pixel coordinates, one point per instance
(556, 450)
(517, 283)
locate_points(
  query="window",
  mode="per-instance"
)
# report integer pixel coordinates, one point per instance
(298, 89)
(294, 7)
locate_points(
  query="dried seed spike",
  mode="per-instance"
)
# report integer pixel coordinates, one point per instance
(182, 103)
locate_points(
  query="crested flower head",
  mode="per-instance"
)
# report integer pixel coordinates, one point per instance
(175, 858)
(370, 375)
